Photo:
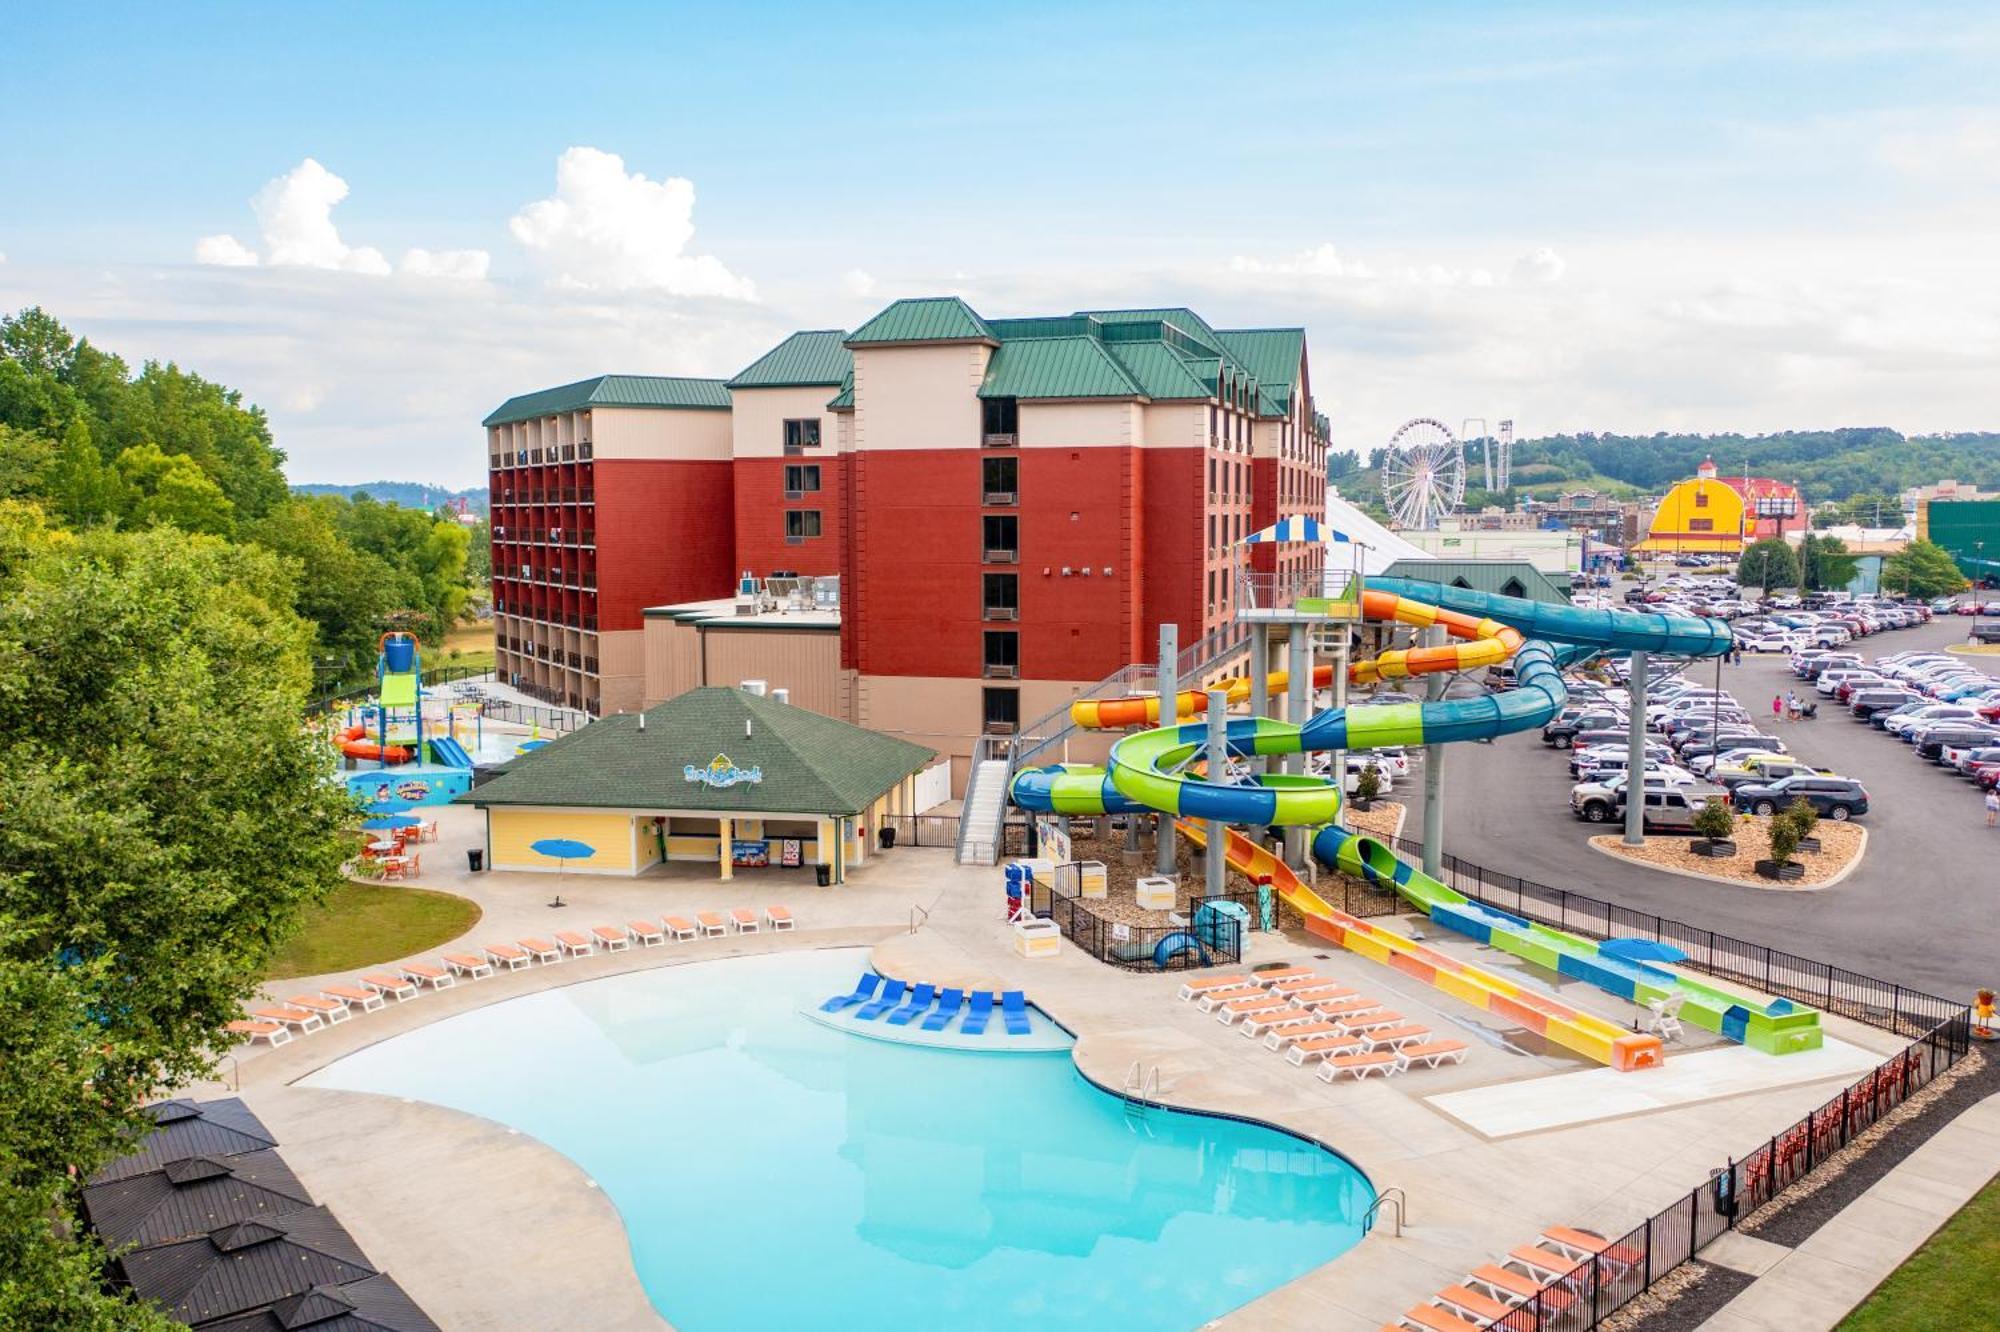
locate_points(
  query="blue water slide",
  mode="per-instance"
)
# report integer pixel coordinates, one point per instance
(449, 752)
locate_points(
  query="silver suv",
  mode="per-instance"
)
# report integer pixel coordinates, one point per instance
(1671, 808)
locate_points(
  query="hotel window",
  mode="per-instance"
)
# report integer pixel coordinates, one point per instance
(1002, 654)
(1000, 480)
(1002, 533)
(801, 479)
(1001, 595)
(1000, 710)
(801, 433)
(1000, 421)
(1211, 534)
(801, 524)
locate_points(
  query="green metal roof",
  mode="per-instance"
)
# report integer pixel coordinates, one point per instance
(659, 391)
(843, 401)
(808, 763)
(1511, 578)
(1160, 372)
(1056, 368)
(815, 357)
(1271, 354)
(1186, 320)
(924, 319)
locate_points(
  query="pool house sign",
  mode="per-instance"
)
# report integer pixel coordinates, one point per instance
(721, 772)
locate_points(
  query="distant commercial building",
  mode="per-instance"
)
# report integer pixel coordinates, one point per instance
(1947, 490)
(1008, 508)
(1611, 521)
(1969, 529)
(1714, 514)
(1550, 551)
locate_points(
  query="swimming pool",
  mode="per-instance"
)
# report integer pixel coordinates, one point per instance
(773, 1172)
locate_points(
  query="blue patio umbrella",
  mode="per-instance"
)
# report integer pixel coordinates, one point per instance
(383, 822)
(562, 850)
(1642, 950)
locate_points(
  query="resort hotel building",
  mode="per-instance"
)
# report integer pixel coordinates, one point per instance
(935, 525)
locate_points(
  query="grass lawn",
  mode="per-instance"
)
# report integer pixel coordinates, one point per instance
(1948, 1282)
(473, 641)
(362, 924)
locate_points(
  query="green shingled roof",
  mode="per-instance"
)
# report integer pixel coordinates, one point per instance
(809, 763)
(662, 391)
(1056, 368)
(924, 319)
(815, 357)
(843, 401)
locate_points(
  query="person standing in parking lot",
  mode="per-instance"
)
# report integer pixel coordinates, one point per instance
(1992, 808)
(1777, 707)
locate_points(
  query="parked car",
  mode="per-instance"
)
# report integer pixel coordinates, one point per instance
(1562, 734)
(1761, 769)
(1836, 798)
(1933, 741)
(1600, 802)
(1865, 703)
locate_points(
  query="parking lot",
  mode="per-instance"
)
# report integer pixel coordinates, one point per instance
(1923, 908)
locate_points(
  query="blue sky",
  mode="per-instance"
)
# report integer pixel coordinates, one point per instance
(1626, 217)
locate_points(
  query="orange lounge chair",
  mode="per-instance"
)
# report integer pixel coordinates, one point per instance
(1280, 1037)
(1430, 1318)
(1583, 1244)
(333, 1010)
(1365, 1064)
(1395, 1038)
(508, 956)
(1322, 994)
(647, 933)
(423, 973)
(1518, 1289)
(1539, 1262)
(574, 944)
(545, 951)
(1471, 1304)
(272, 1033)
(1207, 1002)
(780, 917)
(1379, 1020)
(357, 996)
(1255, 1025)
(680, 927)
(474, 966)
(400, 988)
(1432, 1053)
(744, 919)
(711, 922)
(1237, 1008)
(1343, 1008)
(1302, 1053)
(1194, 989)
(1297, 983)
(614, 938)
(291, 1017)
(1276, 974)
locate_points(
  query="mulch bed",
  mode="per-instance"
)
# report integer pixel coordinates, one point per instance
(1682, 1300)
(1840, 844)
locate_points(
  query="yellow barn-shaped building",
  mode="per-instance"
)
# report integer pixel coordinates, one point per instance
(1699, 516)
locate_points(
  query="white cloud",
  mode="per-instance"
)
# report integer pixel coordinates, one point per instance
(607, 230)
(295, 221)
(1319, 261)
(1540, 264)
(465, 265)
(224, 252)
(856, 282)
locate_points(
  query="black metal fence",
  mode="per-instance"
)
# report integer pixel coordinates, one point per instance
(361, 689)
(1939, 1032)
(1089, 925)
(560, 721)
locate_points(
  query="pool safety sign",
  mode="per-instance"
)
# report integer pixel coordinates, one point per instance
(721, 772)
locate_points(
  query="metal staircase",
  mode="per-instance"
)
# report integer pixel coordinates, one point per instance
(982, 817)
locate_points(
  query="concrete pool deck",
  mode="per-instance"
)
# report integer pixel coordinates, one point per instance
(486, 1227)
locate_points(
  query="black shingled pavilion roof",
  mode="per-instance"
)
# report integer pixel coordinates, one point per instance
(193, 1196)
(191, 1128)
(246, 1266)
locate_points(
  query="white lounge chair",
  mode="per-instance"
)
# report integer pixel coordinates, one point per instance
(574, 944)
(744, 919)
(357, 996)
(473, 966)
(545, 951)
(398, 987)
(1666, 1020)
(508, 956)
(333, 1010)
(712, 924)
(271, 1033)
(423, 973)
(680, 928)
(1369, 1063)
(298, 1019)
(614, 938)
(780, 917)
(647, 933)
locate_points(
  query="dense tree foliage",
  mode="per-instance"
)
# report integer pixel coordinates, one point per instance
(1768, 564)
(1922, 569)
(94, 445)
(1825, 564)
(146, 872)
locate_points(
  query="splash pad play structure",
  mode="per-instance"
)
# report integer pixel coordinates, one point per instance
(1161, 770)
(406, 764)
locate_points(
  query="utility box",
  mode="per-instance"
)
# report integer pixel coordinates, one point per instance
(1092, 879)
(1037, 937)
(1157, 893)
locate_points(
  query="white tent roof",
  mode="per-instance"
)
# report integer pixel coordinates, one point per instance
(1380, 547)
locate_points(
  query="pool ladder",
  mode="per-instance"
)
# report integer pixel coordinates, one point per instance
(1390, 1197)
(1142, 1084)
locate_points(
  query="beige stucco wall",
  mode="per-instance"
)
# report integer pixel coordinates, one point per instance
(673, 658)
(921, 397)
(759, 415)
(659, 433)
(1080, 424)
(806, 662)
(1175, 425)
(621, 670)
(843, 431)
(944, 713)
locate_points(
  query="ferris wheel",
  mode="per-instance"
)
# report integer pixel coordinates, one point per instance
(1423, 474)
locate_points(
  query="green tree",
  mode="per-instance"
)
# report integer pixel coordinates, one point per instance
(1825, 564)
(1768, 564)
(171, 489)
(1714, 821)
(348, 594)
(1922, 569)
(167, 817)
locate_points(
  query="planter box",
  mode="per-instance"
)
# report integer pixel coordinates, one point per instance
(1037, 938)
(1718, 850)
(1092, 880)
(1156, 893)
(1810, 845)
(1788, 873)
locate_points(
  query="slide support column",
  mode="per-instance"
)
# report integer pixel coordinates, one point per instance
(1260, 701)
(1218, 770)
(1298, 693)
(1170, 683)
(1635, 756)
(1434, 778)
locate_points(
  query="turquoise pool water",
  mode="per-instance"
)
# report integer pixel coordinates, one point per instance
(772, 1172)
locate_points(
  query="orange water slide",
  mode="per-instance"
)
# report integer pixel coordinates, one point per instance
(1480, 643)
(354, 743)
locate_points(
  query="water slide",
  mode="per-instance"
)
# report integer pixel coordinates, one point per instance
(449, 752)
(1155, 770)
(354, 743)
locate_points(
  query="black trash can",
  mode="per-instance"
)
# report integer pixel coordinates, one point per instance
(887, 837)
(475, 860)
(823, 874)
